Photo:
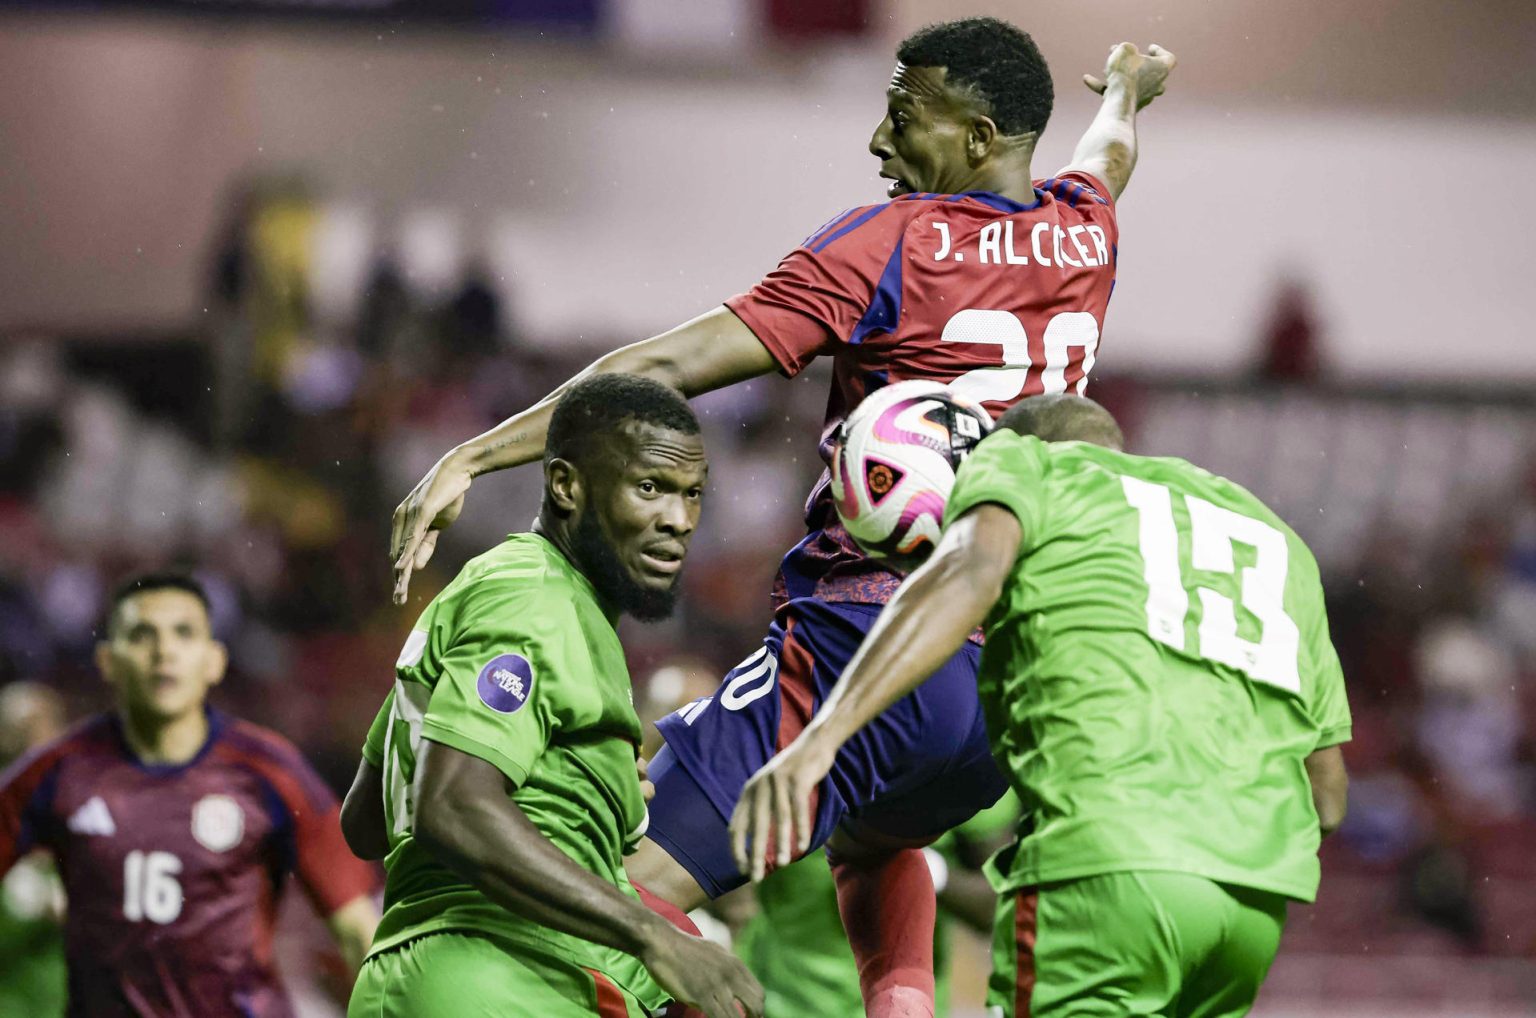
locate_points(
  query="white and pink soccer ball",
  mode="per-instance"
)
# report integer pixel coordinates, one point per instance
(894, 463)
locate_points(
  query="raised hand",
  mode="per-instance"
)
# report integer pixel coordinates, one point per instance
(433, 504)
(1146, 72)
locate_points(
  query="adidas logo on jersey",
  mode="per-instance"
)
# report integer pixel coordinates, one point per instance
(92, 818)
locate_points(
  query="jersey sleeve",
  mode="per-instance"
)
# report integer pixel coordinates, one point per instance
(1330, 703)
(26, 793)
(1006, 469)
(1078, 186)
(845, 278)
(373, 745)
(497, 692)
(330, 873)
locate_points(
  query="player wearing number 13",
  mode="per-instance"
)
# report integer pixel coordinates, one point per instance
(1160, 687)
(175, 826)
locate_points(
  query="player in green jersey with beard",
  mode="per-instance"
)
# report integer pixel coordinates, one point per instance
(1160, 685)
(499, 781)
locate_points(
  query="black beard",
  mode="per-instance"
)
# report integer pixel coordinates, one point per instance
(597, 560)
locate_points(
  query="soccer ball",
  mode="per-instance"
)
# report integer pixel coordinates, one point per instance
(894, 462)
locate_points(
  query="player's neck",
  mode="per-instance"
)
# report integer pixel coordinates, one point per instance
(559, 535)
(1010, 177)
(162, 741)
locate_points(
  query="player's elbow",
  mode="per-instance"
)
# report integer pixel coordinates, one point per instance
(362, 815)
(650, 358)
(364, 834)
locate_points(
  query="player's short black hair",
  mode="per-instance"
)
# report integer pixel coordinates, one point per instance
(1063, 418)
(998, 61)
(165, 580)
(595, 407)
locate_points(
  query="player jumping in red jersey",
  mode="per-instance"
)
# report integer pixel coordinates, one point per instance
(975, 274)
(175, 827)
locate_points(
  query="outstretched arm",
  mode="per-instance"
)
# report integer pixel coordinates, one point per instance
(469, 822)
(714, 350)
(1131, 80)
(929, 619)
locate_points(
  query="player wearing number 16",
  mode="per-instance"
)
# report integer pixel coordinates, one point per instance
(175, 827)
(1160, 687)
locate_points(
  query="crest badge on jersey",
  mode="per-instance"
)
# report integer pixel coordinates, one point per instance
(505, 683)
(218, 823)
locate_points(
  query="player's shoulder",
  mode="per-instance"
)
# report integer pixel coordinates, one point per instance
(885, 220)
(525, 570)
(257, 744)
(271, 757)
(87, 740)
(1074, 188)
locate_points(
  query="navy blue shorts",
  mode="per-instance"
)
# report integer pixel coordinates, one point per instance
(914, 772)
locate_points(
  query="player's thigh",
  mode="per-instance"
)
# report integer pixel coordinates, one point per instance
(715, 745)
(1226, 981)
(451, 975)
(1091, 948)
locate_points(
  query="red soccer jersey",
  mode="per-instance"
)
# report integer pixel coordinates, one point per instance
(173, 873)
(999, 299)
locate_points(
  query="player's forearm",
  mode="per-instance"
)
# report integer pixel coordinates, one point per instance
(711, 351)
(520, 438)
(1108, 148)
(497, 848)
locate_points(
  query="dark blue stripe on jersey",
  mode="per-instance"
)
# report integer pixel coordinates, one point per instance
(1090, 192)
(854, 225)
(884, 309)
(997, 201)
(34, 816)
(829, 224)
(284, 837)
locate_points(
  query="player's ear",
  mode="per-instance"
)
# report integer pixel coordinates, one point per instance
(218, 662)
(563, 487)
(103, 658)
(981, 138)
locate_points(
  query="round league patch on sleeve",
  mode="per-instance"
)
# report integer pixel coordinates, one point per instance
(505, 683)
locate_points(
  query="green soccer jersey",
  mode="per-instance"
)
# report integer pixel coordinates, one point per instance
(515, 663)
(1156, 671)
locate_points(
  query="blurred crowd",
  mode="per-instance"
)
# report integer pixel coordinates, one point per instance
(266, 447)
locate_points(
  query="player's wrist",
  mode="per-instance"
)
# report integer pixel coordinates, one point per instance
(1121, 86)
(651, 933)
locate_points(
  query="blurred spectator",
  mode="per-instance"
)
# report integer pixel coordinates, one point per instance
(1290, 344)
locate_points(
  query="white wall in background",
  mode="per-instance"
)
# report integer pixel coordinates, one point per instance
(621, 199)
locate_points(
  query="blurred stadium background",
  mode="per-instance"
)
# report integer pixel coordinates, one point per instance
(262, 261)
